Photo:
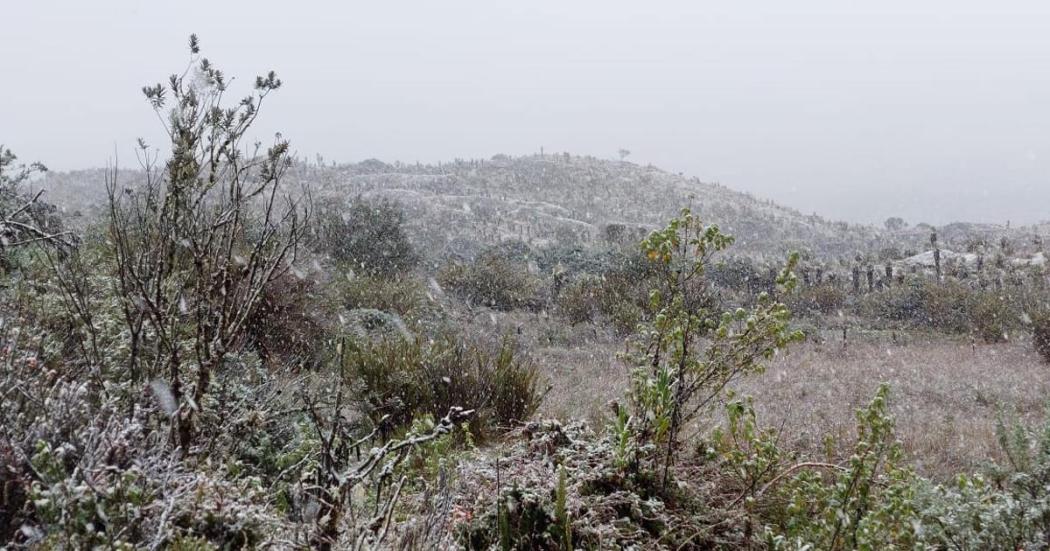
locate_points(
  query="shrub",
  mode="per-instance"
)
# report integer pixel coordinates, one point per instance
(577, 301)
(735, 273)
(369, 324)
(593, 299)
(951, 306)
(866, 503)
(199, 243)
(824, 299)
(401, 379)
(492, 280)
(619, 295)
(369, 236)
(1040, 319)
(1007, 508)
(903, 304)
(993, 316)
(399, 294)
(288, 324)
(690, 351)
(948, 306)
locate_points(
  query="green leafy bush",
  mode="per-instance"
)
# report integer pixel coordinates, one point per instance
(749, 455)
(690, 351)
(872, 501)
(592, 299)
(866, 503)
(400, 380)
(1007, 508)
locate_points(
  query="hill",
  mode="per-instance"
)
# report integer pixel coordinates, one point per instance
(461, 206)
(541, 199)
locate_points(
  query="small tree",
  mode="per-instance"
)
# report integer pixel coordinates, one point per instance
(198, 245)
(370, 237)
(895, 223)
(689, 352)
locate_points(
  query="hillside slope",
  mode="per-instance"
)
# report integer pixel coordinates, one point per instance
(461, 206)
(540, 199)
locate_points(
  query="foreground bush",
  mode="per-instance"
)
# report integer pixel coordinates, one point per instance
(745, 492)
(691, 350)
(198, 245)
(871, 501)
(1006, 508)
(401, 379)
(135, 412)
(866, 502)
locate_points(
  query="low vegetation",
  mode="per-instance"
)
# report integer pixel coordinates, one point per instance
(401, 380)
(218, 361)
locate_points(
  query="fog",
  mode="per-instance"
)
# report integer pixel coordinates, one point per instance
(933, 111)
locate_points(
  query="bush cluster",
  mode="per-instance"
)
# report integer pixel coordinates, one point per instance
(951, 306)
(403, 379)
(493, 280)
(167, 384)
(403, 295)
(825, 298)
(610, 300)
(368, 236)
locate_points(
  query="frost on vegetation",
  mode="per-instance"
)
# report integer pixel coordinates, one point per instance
(223, 361)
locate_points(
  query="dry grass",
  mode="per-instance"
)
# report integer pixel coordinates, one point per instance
(579, 361)
(583, 381)
(946, 394)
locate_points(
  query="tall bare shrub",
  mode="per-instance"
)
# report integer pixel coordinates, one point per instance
(198, 245)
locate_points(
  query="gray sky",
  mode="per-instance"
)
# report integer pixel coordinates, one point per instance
(934, 111)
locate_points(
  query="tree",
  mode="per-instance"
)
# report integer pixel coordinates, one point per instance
(623, 153)
(200, 242)
(895, 223)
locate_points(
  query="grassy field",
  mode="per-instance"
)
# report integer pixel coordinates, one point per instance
(946, 393)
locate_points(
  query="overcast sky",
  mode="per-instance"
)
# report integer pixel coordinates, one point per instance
(934, 111)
